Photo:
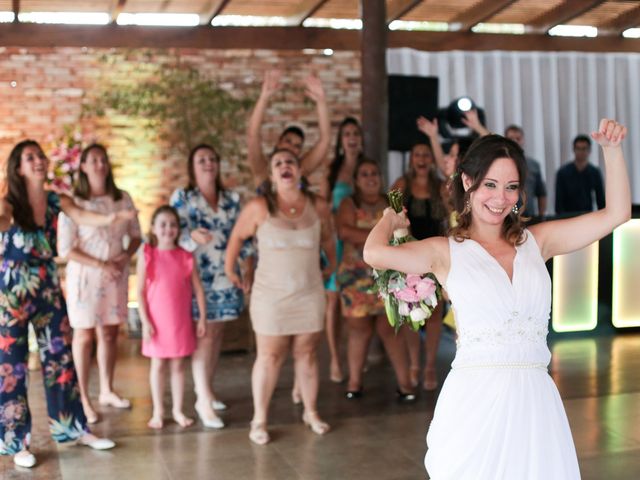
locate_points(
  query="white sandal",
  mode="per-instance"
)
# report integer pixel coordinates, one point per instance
(316, 425)
(258, 433)
(24, 459)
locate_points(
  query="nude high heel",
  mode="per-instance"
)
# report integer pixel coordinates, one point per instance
(258, 433)
(313, 421)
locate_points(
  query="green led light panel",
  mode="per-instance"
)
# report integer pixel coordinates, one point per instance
(575, 290)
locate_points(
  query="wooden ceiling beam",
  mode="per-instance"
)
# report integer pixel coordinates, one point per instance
(446, 41)
(480, 12)
(400, 8)
(212, 9)
(15, 6)
(307, 9)
(628, 19)
(566, 11)
(117, 7)
(288, 38)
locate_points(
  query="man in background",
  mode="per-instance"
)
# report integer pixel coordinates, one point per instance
(578, 182)
(534, 187)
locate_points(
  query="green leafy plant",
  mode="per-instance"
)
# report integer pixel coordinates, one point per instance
(179, 104)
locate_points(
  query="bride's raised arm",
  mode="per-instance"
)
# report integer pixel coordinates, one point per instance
(564, 236)
(429, 255)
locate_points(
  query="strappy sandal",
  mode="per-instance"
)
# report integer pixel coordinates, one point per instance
(258, 433)
(313, 421)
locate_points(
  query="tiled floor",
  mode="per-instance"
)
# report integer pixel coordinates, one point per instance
(373, 438)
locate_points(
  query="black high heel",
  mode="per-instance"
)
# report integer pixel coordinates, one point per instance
(406, 397)
(353, 394)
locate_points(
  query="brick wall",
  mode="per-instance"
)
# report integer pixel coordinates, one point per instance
(52, 83)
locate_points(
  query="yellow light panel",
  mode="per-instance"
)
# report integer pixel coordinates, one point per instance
(625, 304)
(575, 290)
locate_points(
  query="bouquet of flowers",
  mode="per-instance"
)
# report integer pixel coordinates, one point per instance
(65, 159)
(408, 299)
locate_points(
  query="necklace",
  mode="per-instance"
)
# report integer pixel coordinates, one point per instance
(288, 209)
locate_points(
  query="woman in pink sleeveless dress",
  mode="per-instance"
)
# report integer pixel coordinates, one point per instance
(167, 279)
(499, 415)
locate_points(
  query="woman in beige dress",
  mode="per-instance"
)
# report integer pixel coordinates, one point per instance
(97, 275)
(287, 303)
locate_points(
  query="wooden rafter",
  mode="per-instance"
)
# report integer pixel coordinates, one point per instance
(401, 8)
(306, 10)
(628, 19)
(15, 5)
(446, 41)
(116, 9)
(480, 12)
(288, 38)
(563, 13)
(212, 9)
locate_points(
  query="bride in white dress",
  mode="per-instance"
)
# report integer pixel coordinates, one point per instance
(499, 414)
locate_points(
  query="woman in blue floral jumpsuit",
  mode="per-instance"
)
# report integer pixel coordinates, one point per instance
(30, 292)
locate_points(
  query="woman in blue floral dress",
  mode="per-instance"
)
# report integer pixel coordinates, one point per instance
(208, 213)
(30, 292)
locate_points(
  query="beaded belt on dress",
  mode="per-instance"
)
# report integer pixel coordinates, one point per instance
(513, 365)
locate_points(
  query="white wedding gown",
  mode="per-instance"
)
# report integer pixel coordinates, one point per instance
(499, 415)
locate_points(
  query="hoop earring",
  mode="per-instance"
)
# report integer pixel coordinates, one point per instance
(515, 210)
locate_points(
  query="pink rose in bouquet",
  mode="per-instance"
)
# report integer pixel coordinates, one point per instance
(408, 298)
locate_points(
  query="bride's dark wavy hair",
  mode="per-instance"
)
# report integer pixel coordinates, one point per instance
(475, 164)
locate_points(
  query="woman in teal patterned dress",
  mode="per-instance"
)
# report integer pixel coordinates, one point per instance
(347, 154)
(30, 292)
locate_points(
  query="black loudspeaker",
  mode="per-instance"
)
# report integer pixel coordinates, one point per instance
(409, 98)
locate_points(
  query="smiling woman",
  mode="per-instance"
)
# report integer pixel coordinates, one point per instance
(494, 272)
(97, 275)
(364, 310)
(30, 292)
(489, 186)
(208, 213)
(422, 187)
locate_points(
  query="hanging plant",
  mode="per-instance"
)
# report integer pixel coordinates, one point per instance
(181, 105)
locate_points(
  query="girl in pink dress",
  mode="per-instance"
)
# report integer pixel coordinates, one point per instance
(167, 279)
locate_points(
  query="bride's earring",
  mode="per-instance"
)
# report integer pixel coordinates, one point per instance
(515, 209)
(467, 207)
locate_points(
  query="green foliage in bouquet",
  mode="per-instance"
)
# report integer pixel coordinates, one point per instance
(408, 299)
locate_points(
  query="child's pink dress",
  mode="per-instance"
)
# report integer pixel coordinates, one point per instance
(167, 295)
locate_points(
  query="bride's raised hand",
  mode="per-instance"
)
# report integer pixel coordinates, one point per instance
(610, 133)
(398, 220)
